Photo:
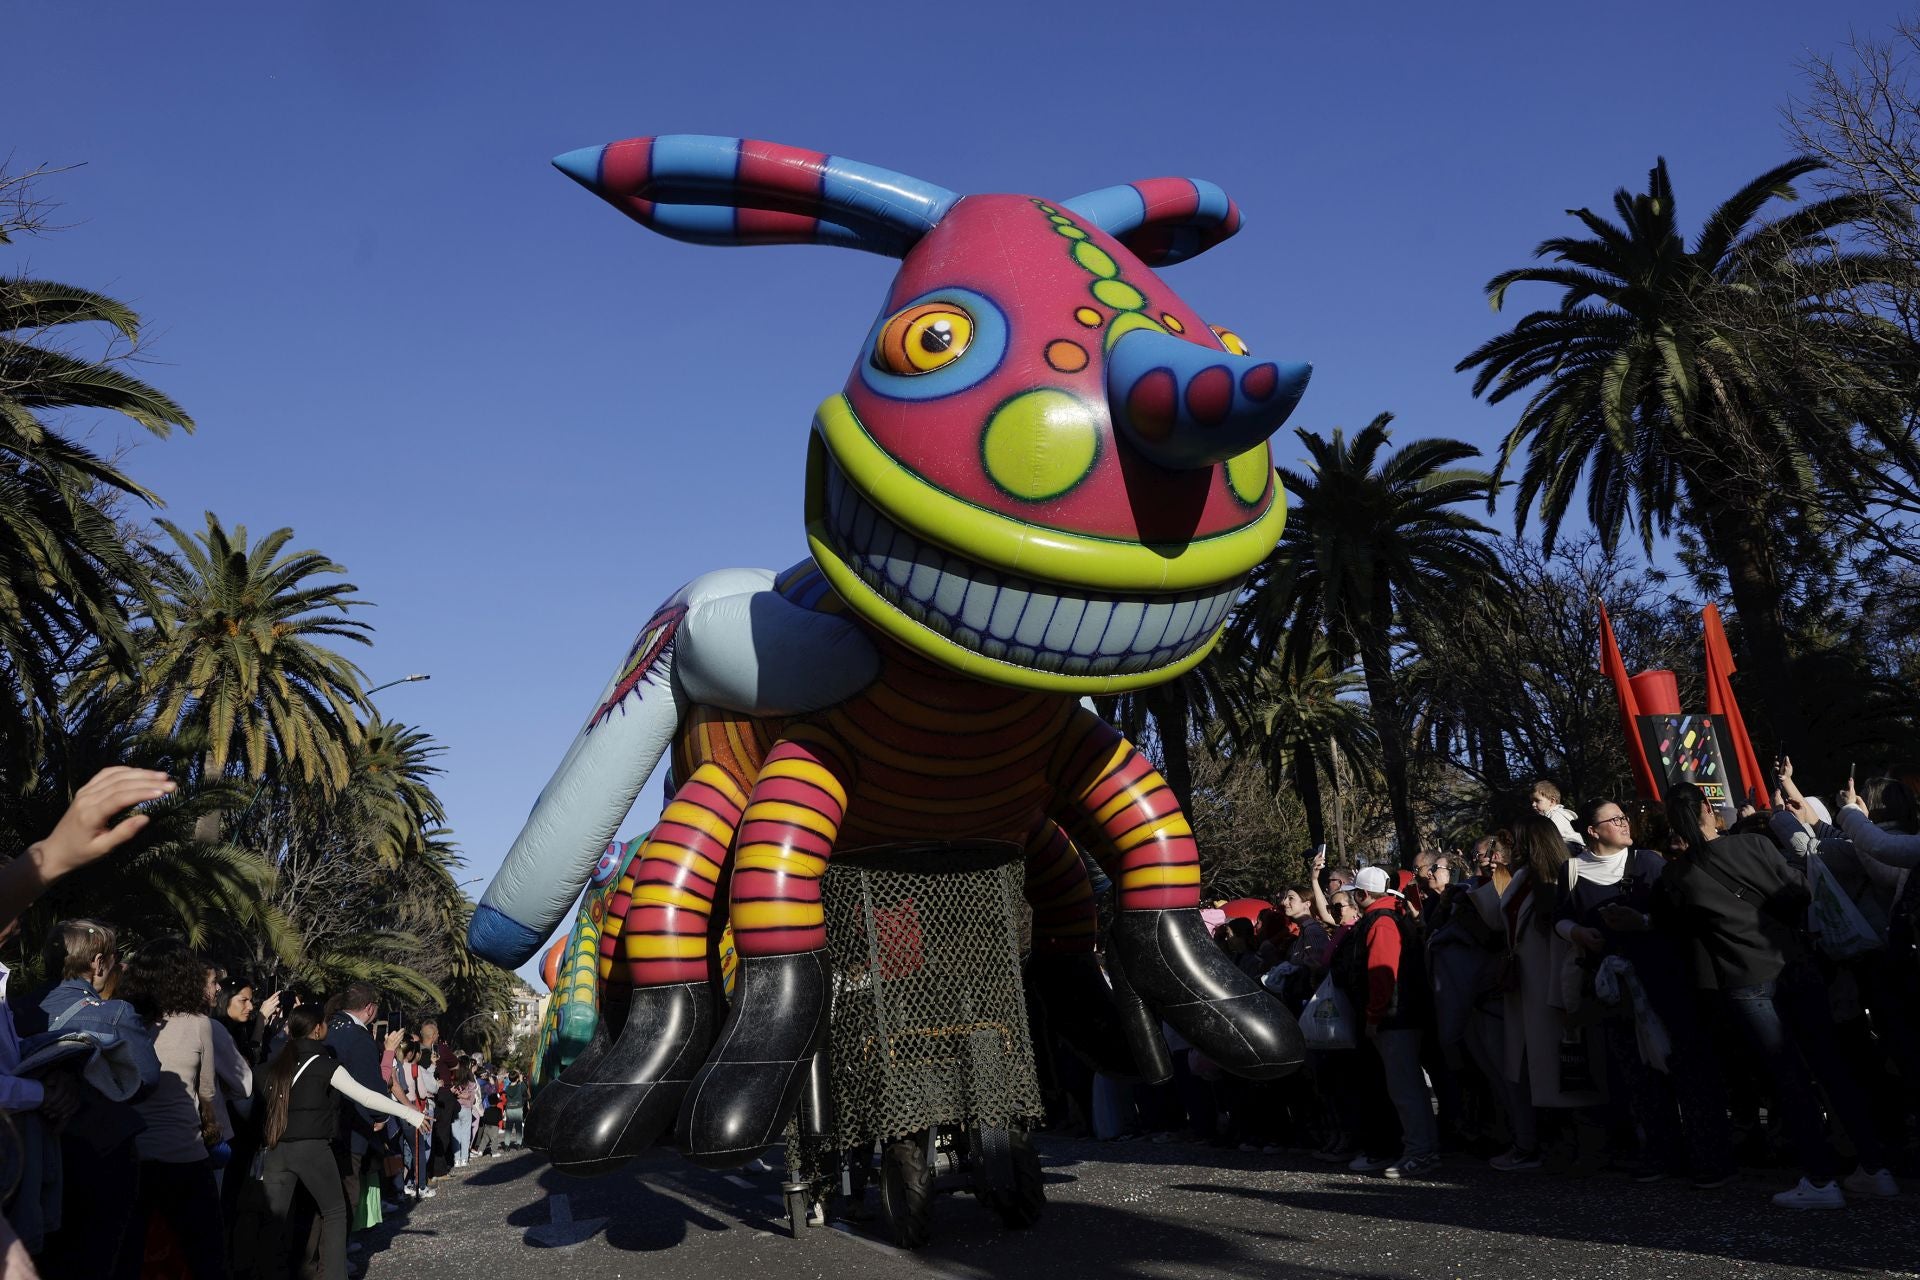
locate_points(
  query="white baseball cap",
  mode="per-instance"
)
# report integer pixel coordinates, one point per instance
(1371, 880)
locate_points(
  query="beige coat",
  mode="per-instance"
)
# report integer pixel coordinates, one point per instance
(1536, 1010)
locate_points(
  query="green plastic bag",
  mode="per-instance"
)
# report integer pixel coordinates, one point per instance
(367, 1212)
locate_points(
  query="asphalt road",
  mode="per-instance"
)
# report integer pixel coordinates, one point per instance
(1125, 1210)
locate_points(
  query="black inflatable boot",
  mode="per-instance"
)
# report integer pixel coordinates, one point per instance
(1082, 1011)
(742, 1099)
(609, 1107)
(1174, 965)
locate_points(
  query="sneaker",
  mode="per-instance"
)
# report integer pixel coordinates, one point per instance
(1410, 1167)
(1250, 1148)
(354, 1246)
(1272, 1149)
(1879, 1184)
(1515, 1160)
(1712, 1181)
(1808, 1196)
(1648, 1174)
(1364, 1163)
(1335, 1155)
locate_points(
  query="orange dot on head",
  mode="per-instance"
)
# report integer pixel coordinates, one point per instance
(1089, 317)
(1066, 356)
(1172, 322)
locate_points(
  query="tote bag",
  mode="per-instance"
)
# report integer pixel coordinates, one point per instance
(1328, 1022)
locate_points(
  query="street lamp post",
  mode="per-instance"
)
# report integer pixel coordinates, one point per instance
(491, 1017)
(418, 675)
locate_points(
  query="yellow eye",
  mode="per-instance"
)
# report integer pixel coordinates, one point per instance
(923, 338)
(1230, 340)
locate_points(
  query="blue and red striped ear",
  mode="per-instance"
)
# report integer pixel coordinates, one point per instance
(1162, 220)
(713, 190)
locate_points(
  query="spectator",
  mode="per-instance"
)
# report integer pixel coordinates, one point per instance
(1678, 1102)
(516, 1110)
(1382, 968)
(1560, 1066)
(172, 988)
(467, 1093)
(1545, 801)
(302, 1089)
(349, 1034)
(99, 1162)
(1744, 905)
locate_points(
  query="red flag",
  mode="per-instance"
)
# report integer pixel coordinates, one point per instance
(1615, 669)
(1720, 702)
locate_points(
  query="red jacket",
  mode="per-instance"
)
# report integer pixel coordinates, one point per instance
(1382, 960)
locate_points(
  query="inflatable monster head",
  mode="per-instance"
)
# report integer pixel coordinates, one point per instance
(1046, 470)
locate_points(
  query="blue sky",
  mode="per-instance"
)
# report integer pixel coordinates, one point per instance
(521, 421)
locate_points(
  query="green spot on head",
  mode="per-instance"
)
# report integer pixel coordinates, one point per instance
(1125, 323)
(1093, 258)
(1040, 444)
(1119, 295)
(1247, 473)
(1071, 232)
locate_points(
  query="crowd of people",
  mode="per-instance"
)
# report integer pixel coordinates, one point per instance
(170, 1117)
(1677, 990)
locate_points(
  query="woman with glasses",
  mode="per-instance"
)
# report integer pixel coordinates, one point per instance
(1681, 1111)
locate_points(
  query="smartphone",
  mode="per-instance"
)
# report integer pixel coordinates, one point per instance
(380, 1029)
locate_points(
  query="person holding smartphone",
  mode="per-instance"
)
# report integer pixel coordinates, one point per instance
(1682, 1112)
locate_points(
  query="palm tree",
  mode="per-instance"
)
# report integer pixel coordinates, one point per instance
(234, 650)
(65, 570)
(1371, 540)
(1718, 384)
(389, 795)
(1300, 723)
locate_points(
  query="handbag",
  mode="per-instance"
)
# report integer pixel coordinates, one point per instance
(209, 1124)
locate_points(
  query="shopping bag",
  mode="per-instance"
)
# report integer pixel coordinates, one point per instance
(1328, 1022)
(1835, 922)
(367, 1212)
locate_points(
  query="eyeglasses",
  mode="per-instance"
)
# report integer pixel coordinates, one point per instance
(1607, 822)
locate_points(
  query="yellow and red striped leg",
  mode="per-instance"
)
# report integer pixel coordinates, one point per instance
(1064, 916)
(656, 930)
(743, 1097)
(1117, 803)
(1123, 812)
(786, 836)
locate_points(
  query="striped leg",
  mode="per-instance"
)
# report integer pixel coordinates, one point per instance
(786, 838)
(656, 931)
(745, 1094)
(1125, 814)
(657, 1001)
(1061, 895)
(1063, 970)
(1119, 805)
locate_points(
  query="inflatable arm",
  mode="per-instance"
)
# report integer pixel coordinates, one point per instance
(727, 639)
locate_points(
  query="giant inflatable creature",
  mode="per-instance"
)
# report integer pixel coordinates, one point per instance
(1046, 477)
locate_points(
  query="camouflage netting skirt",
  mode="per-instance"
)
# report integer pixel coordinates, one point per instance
(928, 1019)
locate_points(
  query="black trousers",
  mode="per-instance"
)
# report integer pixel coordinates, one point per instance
(186, 1197)
(309, 1163)
(99, 1202)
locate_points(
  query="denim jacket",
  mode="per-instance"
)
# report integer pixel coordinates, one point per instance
(75, 1006)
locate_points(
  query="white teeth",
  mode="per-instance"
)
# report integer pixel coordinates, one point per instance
(1014, 620)
(976, 604)
(1127, 616)
(1060, 627)
(1007, 606)
(1033, 623)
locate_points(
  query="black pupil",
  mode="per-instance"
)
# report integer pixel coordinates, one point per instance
(937, 337)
